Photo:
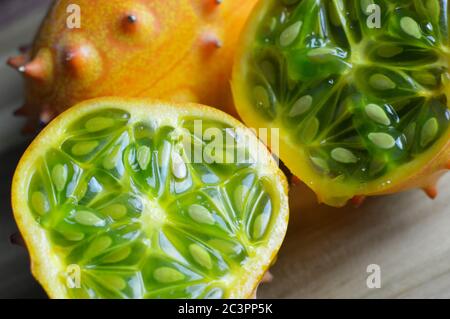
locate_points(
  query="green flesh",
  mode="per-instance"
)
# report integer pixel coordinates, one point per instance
(360, 101)
(117, 198)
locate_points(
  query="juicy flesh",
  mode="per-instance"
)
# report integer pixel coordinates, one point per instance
(360, 100)
(119, 199)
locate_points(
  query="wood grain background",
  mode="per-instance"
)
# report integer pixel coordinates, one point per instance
(326, 251)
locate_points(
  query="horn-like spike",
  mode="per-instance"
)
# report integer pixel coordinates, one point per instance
(17, 61)
(74, 61)
(35, 69)
(130, 23)
(209, 6)
(268, 277)
(431, 191)
(357, 201)
(17, 239)
(46, 115)
(22, 111)
(211, 42)
(77, 58)
(40, 68)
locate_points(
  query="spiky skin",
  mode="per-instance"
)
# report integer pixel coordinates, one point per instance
(179, 50)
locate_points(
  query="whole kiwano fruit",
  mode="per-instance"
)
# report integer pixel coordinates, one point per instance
(113, 201)
(359, 90)
(178, 50)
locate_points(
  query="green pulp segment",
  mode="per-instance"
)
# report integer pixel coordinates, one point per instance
(120, 199)
(362, 99)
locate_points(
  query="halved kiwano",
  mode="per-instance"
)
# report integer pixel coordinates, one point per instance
(362, 108)
(111, 205)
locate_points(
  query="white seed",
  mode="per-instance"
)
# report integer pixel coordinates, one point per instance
(167, 275)
(59, 176)
(381, 82)
(114, 282)
(226, 247)
(73, 236)
(377, 114)
(97, 124)
(411, 27)
(289, 35)
(320, 163)
(201, 214)
(98, 246)
(116, 211)
(429, 131)
(179, 168)
(86, 218)
(84, 148)
(143, 157)
(302, 105)
(201, 256)
(260, 225)
(343, 155)
(40, 203)
(382, 140)
(117, 256)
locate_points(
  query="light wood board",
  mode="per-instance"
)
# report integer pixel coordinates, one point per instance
(327, 250)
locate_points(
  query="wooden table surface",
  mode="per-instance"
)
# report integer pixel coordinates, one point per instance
(326, 251)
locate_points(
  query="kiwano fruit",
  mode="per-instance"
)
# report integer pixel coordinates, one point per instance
(359, 90)
(177, 50)
(111, 205)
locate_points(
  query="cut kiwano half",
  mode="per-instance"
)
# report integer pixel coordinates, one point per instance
(111, 206)
(362, 108)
